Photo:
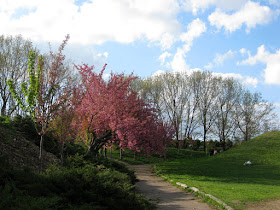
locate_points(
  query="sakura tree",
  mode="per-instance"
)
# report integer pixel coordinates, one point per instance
(110, 112)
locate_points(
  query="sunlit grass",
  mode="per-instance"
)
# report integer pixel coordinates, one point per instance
(224, 175)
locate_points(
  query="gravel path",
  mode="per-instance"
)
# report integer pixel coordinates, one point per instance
(163, 194)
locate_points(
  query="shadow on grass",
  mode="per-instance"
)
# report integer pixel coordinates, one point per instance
(226, 168)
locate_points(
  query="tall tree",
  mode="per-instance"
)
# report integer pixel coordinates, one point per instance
(206, 91)
(191, 112)
(167, 92)
(14, 52)
(251, 112)
(228, 96)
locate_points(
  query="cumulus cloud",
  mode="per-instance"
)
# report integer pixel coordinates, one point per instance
(220, 59)
(163, 57)
(209, 66)
(93, 22)
(178, 63)
(200, 6)
(245, 80)
(166, 41)
(251, 14)
(194, 30)
(271, 60)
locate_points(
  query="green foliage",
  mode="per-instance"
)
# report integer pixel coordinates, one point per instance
(83, 184)
(31, 89)
(6, 121)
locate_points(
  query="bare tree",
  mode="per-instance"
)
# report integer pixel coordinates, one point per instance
(206, 91)
(251, 112)
(191, 111)
(228, 95)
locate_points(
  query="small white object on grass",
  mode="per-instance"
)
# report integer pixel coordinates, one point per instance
(247, 163)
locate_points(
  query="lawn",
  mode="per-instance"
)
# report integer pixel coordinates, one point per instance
(224, 175)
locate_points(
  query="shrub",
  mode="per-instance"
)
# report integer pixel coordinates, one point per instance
(6, 121)
(81, 185)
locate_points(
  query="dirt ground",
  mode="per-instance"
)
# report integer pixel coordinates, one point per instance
(163, 194)
(268, 205)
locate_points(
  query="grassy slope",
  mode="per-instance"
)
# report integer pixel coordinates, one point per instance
(225, 176)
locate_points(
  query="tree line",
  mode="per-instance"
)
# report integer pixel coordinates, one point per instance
(123, 111)
(83, 108)
(202, 105)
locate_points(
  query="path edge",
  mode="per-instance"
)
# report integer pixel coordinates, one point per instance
(194, 190)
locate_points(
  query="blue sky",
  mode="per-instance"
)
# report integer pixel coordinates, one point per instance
(234, 38)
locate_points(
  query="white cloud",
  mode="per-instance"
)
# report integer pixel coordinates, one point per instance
(243, 51)
(104, 55)
(245, 80)
(220, 59)
(271, 60)
(166, 41)
(178, 63)
(261, 56)
(209, 66)
(251, 81)
(194, 30)
(163, 57)
(94, 22)
(196, 6)
(251, 14)
(157, 73)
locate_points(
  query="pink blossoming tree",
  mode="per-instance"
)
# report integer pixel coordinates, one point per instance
(110, 112)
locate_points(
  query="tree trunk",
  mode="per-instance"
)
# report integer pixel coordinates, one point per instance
(204, 142)
(62, 154)
(3, 109)
(41, 154)
(105, 152)
(121, 154)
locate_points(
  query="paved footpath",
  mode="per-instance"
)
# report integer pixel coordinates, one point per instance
(162, 193)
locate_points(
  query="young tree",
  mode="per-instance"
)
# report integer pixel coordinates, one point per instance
(111, 112)
(60, 125)
(41, 92)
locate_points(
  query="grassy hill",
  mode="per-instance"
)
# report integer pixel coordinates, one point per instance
(225, 176)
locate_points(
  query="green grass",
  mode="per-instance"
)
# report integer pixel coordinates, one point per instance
(224, 175)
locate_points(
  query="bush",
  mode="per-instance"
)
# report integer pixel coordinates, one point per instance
(6, 121)
(196, 145)
(82, 184)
